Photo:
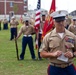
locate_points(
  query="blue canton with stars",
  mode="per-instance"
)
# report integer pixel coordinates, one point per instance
(38, 4)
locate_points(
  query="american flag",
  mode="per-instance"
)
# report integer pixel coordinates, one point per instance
(37, 17)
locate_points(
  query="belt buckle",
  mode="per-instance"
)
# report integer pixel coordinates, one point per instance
(63, 66)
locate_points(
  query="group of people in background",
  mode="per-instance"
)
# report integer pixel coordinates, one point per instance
(27, 29)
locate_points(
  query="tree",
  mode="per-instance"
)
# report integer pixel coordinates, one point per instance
(15, 8)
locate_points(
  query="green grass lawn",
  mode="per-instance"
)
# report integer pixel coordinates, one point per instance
(9, 65)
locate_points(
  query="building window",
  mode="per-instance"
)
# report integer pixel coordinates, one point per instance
(25, 8)
(11, 4)
(25, 1)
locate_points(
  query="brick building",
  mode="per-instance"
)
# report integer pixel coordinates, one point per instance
(18, 7)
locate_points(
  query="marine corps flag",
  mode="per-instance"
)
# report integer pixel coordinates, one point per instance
(49, 20)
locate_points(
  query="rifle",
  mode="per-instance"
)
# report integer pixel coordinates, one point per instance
(16, 49)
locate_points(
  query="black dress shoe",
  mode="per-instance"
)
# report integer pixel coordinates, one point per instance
(34, 59)
(39, 58)
(21, 59)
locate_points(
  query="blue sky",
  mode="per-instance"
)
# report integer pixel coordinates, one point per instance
(68, 5)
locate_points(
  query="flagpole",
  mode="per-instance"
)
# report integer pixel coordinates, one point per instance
(37, 21)
(5, 8)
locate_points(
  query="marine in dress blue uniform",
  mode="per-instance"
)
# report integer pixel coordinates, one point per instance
(5, 24)
(43, 16)
(27, 31)
(59, 46)
(13, 27)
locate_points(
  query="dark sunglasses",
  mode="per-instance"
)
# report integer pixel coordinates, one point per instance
(59, 21)
(26, 21)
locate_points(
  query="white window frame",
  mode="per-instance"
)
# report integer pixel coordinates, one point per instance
(11, 4)
(25, 8)
(25, 1)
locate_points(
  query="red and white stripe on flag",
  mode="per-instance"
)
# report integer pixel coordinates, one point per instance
(37, 20)
(37, 16)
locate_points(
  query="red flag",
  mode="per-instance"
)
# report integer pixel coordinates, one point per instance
(53, 7)
(49, 20)
(21, 19)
